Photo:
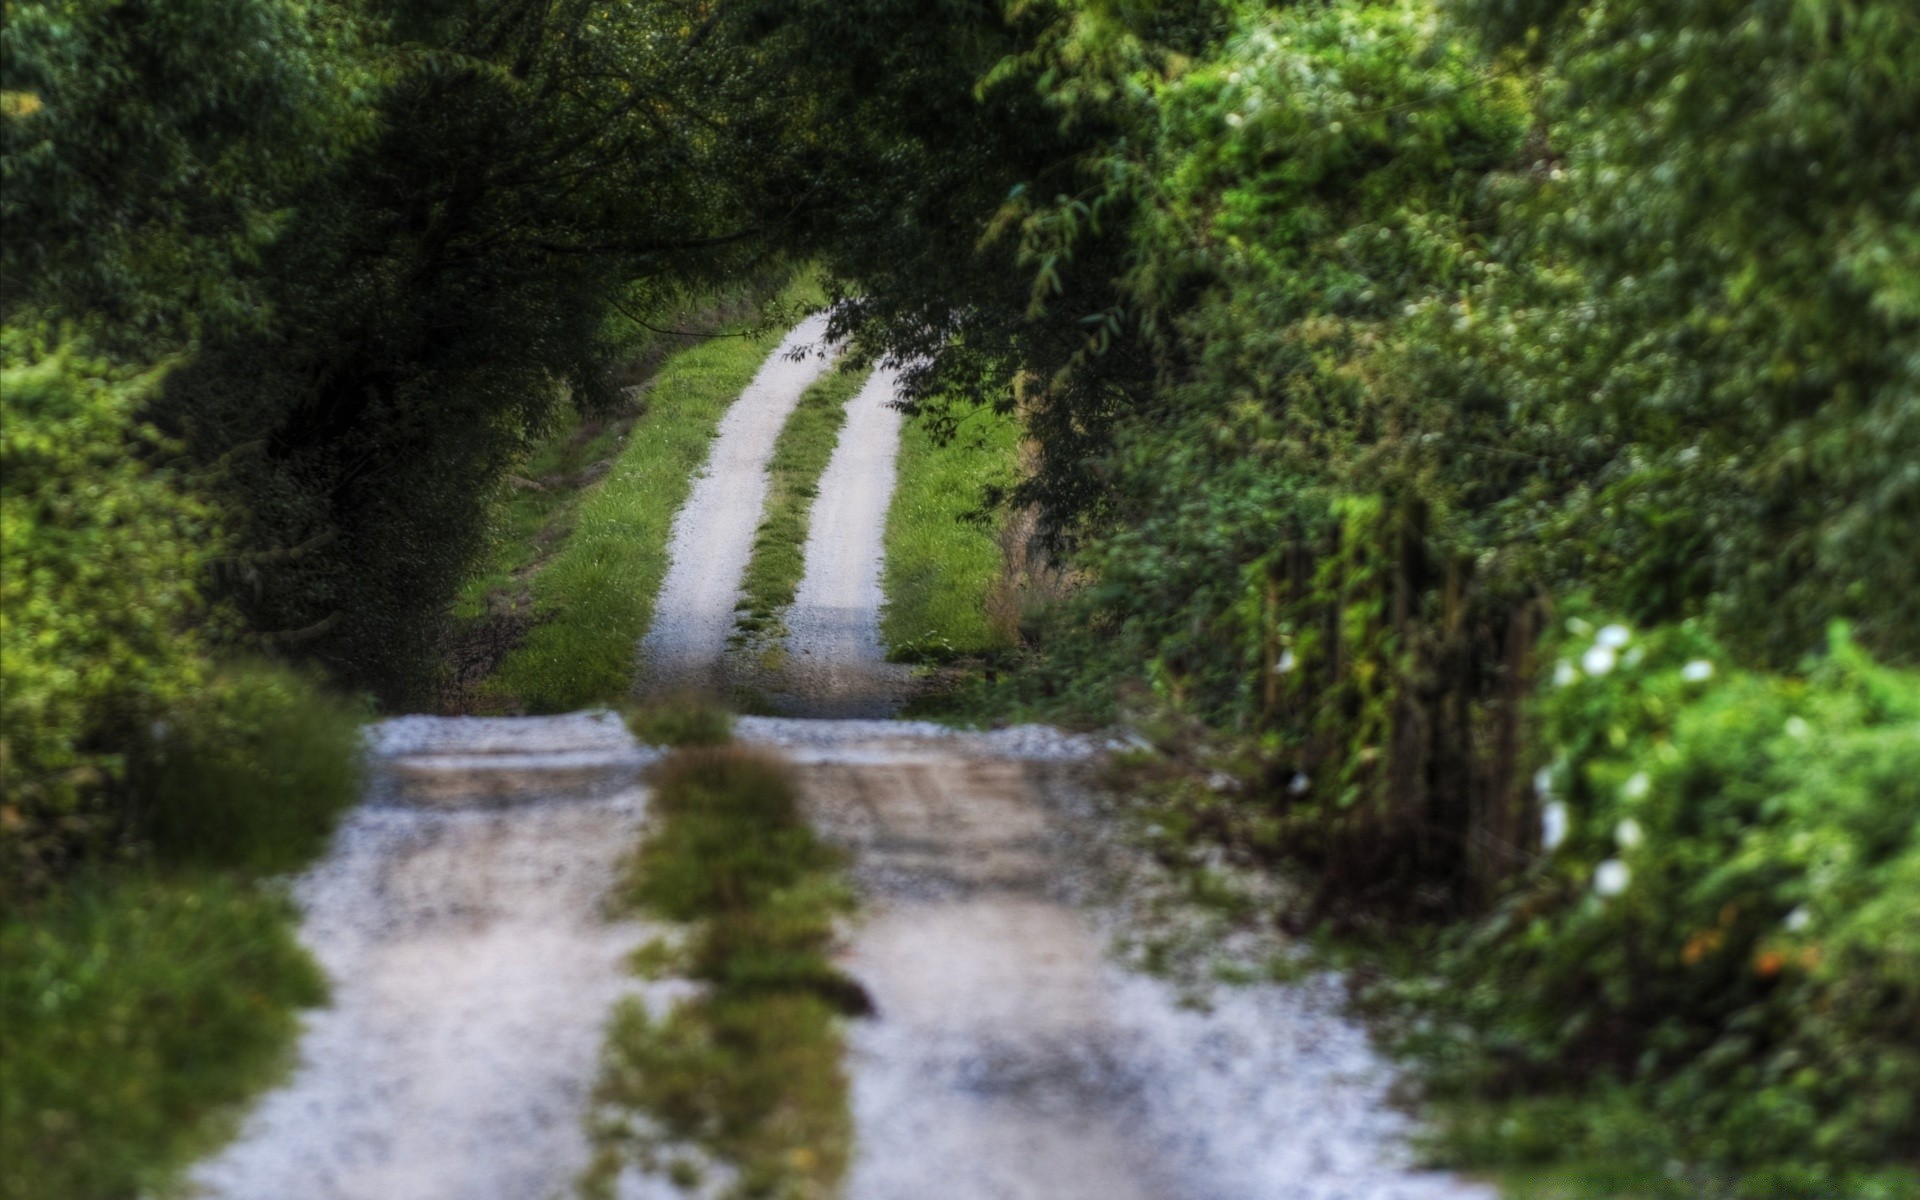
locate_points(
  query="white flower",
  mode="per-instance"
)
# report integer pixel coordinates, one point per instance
(1543, 783)
(1798, 919)
(1233, 77)
(1614, 636)
(1564, 673)
(1797, 727)
(1553, 825)
(1299, 784)
(1287, 662)
(1611, 877)
(1636, 787)
(1234, 119)
(1220, 781)
(1697, 671)
(1598, 660)
(1628, 833)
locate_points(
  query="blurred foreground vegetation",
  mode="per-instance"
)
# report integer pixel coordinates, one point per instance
(1495, 422)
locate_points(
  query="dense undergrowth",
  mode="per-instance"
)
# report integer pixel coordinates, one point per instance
(741, 1085)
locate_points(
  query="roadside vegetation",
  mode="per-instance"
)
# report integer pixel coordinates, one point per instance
(793, 477)
(1470, 418)
(946, 568)
(538, 499)
(740, 1085)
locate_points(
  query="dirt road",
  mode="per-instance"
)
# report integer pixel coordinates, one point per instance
(459, 915)
(1011, 1057)
(713, 533)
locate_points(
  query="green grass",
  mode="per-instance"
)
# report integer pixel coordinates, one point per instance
(779, 545)
(942, 567)
(747, 1075)
(683, 719)
(594, 597)
(137, 1010)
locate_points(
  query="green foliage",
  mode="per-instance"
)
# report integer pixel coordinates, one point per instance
(249, 774)
(147, 146)
(943, 562)
(101, 556)
(438, 295)
(600, 587)
(1726, 920)
(135, 1010)
(748, 1074)
(793, 477)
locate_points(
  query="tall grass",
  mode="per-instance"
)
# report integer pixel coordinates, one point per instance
(943, 559)
(596, 595)
(251, 774)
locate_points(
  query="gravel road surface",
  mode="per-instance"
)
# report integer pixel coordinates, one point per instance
(459, 920)
(835, 665)
(713, 533)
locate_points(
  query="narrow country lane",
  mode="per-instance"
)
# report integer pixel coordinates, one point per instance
(835, 665)
(460, 915)
(713, 532)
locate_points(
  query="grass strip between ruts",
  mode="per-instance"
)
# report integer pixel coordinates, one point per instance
(742, 1085)
(596, 595)
(793, 481)
(941, 566)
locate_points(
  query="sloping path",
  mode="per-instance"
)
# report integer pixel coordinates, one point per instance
(713, 533)
(835, 665)
(1011, 1058)
(460, 917)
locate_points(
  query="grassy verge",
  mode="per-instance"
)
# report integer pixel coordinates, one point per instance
(142, 1000)
(593, 598)
(742, 1085)
(799, 457)
(942, 567)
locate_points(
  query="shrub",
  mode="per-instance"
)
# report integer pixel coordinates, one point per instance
(133, 1008)
(1726, 915)
(249, 774)
(101, 552)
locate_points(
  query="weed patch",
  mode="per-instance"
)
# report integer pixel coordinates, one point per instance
(799, 457)
(681, 720)
(743, 1085)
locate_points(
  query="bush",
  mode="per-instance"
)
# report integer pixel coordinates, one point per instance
(134, 1008)
(101, 552)
(1726, 918)
(250, 774)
